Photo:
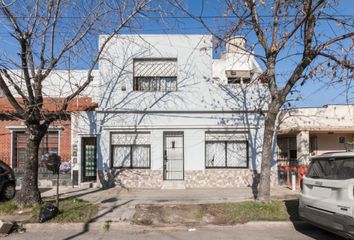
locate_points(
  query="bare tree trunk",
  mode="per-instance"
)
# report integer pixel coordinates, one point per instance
(264, 186)
(29, 193)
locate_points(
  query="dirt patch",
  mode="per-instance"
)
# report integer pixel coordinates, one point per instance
(219, 214)
(150, 214)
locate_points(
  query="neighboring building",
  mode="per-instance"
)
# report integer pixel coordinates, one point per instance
(305, 132)
(170, 116)
(13, 135)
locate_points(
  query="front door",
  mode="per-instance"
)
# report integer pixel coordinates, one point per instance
(173, 156)
(89, 164)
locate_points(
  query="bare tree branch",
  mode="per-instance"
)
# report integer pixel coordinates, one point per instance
(275, 25)
(137, 9)
(13, 84)
(257, 26)
(309, 11)
(334, 40)
(9, 96)
(343, 63)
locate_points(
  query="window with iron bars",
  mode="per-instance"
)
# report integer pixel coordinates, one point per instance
(131, 156)
(155, 74)
(153, 84)
(226, 154)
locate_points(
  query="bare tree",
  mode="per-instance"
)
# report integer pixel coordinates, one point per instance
(47, 34)
(295, 41)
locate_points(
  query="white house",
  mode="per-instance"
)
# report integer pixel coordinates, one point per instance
(170, 115)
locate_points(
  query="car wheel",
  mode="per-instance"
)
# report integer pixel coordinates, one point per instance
(8, 191)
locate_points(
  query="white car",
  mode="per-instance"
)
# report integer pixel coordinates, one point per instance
(327, 195)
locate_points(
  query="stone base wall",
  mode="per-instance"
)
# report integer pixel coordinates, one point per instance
(132, 178)
(208, 178)
(224, 178)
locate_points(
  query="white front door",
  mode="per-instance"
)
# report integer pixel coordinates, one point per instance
(173, 156)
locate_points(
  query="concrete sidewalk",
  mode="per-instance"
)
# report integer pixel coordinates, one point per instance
(208, 195)
(118, 205)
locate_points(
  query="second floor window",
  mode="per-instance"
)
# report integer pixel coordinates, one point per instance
(158, 74)
(238, 77)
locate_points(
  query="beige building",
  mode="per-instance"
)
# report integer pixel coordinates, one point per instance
(305, 132)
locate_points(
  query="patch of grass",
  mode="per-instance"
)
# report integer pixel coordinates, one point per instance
(220, 213)
(7, 207)
(231, 213)
(70, 210)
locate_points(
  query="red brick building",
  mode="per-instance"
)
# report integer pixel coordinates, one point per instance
(13, 137)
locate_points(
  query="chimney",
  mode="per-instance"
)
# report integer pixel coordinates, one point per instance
(235, 44)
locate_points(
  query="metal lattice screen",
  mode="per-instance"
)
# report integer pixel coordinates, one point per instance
(237, 154)
(226, 154)
(215, 154)
(131, 150)
(155, 67)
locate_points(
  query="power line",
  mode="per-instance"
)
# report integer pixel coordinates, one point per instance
(181, 17)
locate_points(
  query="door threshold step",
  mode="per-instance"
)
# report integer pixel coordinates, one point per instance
(173, 184)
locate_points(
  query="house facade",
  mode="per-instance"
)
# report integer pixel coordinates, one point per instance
(171, 116)
(14, 141)
(13, 135)
(306, 132)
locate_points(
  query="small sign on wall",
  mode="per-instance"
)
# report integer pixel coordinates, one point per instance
(74, 153)
(341, 139)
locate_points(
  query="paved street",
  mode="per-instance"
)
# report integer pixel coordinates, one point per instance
(253, 230)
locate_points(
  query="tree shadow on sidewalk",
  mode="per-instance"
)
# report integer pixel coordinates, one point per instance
(86, 227)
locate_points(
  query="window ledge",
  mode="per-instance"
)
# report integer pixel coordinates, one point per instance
(23, 128)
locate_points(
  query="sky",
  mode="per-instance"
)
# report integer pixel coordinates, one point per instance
(313, 93)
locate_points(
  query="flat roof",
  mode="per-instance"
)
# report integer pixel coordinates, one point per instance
(334, 154)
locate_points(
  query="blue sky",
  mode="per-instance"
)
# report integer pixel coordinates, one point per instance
(314, 92)
(311, 94)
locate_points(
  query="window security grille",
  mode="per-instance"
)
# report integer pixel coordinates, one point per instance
(226, 150)
(130, 150)
(155, 75)
(226, 154)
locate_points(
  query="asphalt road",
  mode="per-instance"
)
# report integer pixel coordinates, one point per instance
(254, 231)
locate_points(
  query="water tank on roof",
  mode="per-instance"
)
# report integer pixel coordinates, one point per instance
(234, 44)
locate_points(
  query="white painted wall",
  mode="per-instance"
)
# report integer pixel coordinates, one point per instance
(199, 105)
(327, 117)
(61, 83)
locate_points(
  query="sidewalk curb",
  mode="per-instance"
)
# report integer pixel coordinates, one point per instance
(126, 226)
